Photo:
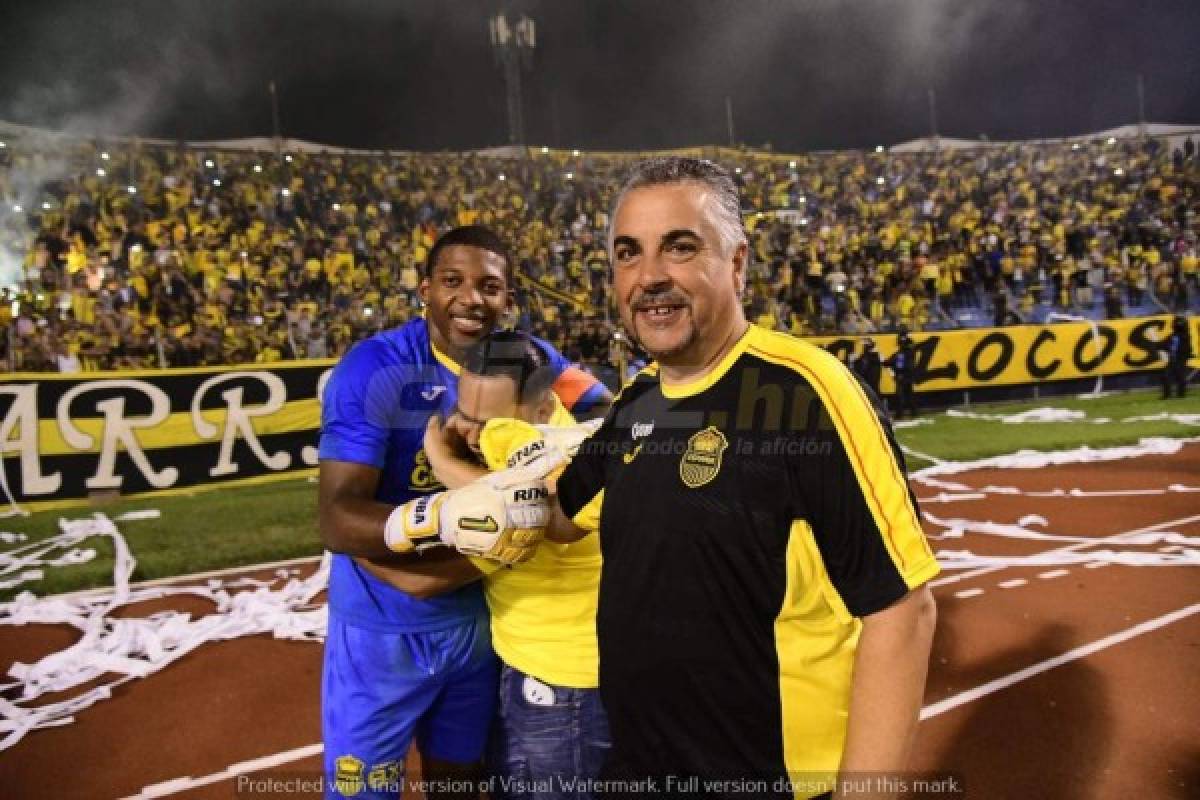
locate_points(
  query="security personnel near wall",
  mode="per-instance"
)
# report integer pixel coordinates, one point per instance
(1177, 348)
(763, 622)
(902, 363)
(868, 367)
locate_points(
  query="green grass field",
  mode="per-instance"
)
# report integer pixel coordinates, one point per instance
(957, 439)
(238, 526)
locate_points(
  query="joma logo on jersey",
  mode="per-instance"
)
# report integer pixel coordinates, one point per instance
(702, 460)
(642, 429)
(527, 452)
(525, 495)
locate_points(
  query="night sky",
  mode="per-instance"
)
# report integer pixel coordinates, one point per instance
(607, 74)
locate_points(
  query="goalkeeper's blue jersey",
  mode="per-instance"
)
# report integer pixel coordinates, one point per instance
(374, 411)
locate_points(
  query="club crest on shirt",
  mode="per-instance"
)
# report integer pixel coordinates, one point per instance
(702, 460)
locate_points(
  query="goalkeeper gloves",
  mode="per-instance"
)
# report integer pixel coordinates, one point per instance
(501, 517)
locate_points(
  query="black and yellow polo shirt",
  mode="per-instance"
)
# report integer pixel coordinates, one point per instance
(747, 522)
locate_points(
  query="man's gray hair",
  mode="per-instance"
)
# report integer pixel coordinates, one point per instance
(722, 192)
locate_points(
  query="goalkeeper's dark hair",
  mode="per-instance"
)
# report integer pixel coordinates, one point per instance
(514, 355)
(471, 236)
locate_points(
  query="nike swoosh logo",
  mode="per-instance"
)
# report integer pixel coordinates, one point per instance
(485, 525)
(433, 392)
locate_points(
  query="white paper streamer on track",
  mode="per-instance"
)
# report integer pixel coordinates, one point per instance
(967, 493)
(127, 648)
(965, 559)
(1052, 415)
(1163, 416)
(957, 528)
(1036, 459)
(1033, 415)
(912, 423)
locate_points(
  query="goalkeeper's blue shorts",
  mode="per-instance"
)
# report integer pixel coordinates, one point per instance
(380, 690)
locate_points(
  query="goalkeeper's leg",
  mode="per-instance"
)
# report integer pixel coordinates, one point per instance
(379, 691)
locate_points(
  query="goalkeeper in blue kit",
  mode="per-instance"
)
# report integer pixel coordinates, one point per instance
(400, 669)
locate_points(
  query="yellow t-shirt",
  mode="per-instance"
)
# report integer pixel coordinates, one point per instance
(544, 611)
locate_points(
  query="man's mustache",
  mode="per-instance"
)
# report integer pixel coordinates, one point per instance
(668, 298)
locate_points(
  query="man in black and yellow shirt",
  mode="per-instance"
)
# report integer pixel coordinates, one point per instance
(763, 624)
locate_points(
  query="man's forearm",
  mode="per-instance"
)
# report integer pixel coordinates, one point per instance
(889, 685)
(355, 526)
(561, 528)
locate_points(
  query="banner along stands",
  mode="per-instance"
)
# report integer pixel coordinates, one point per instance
(1021, 354)
(67, 436)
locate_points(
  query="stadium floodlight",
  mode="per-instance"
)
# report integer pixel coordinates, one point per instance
(17, 209)
(288, 158)
(131, 189)
(208, 162)
(1112, 140)
(570, 176)
(878, 148)
(258, 167)
(575, 153)
(513, 45)
(216, 182)
(792, 164)
(3, 145)
(337, 206)
(1118, 172)
(738, 170)
(545, 149)
(502, 176)
(104, 156)
(1075, 146)
(100, 173)
(46, 206)
(879, 180)
(285, 192)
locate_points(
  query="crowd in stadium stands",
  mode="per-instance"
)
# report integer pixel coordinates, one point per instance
(141, 256)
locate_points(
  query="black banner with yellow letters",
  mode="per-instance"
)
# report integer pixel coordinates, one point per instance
(68, 436)
(979, 358)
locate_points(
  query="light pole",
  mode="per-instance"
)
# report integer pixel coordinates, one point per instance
(513, 45)
(275, 118)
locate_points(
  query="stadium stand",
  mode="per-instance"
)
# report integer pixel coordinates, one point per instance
(140, 255)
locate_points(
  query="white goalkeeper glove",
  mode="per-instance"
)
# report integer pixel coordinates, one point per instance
(501, 517)
(509, 443)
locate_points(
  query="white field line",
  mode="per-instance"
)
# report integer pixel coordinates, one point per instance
(177, 785)
(954, 701)
(1071, 548)
(231, 772)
